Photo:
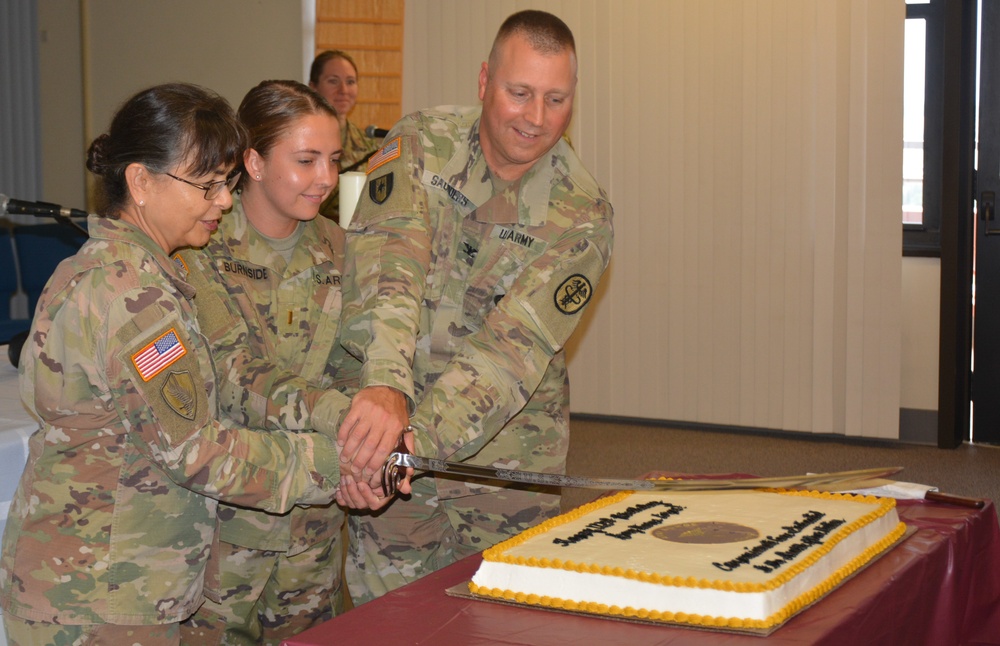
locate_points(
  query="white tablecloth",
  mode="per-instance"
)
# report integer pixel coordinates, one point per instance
(16, 425)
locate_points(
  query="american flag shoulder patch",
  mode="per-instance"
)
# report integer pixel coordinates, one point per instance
(385, 154)
(158, 355)
(180, 263)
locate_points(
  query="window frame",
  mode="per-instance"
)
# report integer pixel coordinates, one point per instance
(925, 239)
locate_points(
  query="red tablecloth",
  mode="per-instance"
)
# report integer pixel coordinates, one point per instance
(941, 586)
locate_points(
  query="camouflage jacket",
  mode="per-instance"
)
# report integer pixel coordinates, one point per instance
(356, 145)
(273, 329)
(115, 514)
(462, 296)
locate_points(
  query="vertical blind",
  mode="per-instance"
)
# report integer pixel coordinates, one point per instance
(20, 157)
(751, 152)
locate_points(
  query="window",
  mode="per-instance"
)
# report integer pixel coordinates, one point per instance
(922, 128)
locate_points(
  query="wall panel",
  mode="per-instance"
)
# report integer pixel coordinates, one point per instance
(751, 151)
(371, 31)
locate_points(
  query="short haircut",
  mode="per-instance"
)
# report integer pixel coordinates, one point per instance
(545, 32)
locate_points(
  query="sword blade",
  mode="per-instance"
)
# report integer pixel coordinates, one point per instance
(828, 481)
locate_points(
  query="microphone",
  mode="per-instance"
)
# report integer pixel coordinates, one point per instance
(375, 132)
(42, 209)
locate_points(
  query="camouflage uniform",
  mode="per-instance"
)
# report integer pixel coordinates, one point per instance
(356, 146)
(115, 515)
(461, 295)
(273, 328)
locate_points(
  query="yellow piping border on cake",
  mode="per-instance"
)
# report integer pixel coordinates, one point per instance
(495, 554)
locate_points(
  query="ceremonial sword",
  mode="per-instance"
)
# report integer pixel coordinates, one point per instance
(393, 472)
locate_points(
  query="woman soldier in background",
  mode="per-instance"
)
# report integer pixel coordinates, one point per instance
(335, 76)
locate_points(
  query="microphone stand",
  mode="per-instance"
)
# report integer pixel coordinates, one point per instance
(43, 210)
(66, 220)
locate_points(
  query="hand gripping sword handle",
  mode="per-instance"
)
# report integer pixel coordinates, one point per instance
(394, 467)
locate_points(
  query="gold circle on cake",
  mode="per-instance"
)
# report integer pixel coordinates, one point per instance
(705, 533)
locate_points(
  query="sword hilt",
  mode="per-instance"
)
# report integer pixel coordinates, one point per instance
(394, 467)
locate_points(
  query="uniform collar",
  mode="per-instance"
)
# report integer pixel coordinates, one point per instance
(245, 243)
(121, 232)
(467, 170)
(525, 201)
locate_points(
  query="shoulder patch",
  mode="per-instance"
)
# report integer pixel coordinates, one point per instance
(380, 188)
(573, 293)
(178, 391)
(385, 154)
(158, 355)
(179, 261)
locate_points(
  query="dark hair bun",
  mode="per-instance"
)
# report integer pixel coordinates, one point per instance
(97, 155)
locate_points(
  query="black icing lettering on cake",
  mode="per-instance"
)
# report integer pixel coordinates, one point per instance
(803, 544)
(601, 524)
(791, 551)
(640, 528)
(770, 565)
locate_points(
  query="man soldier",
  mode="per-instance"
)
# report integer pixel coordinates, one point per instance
(471, 258)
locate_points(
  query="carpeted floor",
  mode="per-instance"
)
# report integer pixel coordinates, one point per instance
(605, 448)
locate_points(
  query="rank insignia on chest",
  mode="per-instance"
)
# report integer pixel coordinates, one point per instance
(573, 294)
(380, 188)
(469, 251)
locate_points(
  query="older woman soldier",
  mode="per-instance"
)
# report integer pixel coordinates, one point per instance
(269, 302)
(335, 76)
(113, 521)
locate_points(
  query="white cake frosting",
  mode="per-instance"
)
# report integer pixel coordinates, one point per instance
(656, 555)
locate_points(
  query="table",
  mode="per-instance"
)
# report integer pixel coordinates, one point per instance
(939, 586)
(16, 426)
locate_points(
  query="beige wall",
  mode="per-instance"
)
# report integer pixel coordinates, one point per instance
(107, 50)
(61, 97)
(665, 124)
(751, 150)
(921, 332)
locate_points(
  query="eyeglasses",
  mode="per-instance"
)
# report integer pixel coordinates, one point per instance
(212, 189)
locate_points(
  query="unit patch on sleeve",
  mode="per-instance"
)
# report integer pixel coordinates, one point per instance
(380, 189)
(573, 294)
(385, 154)
(158, 355)
(179, 394)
